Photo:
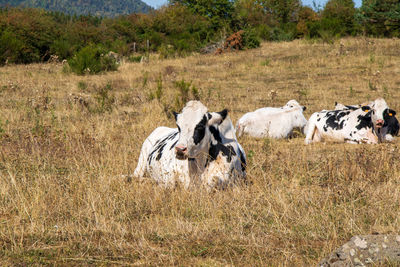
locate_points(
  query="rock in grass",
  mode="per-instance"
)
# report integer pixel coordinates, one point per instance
(365, 250)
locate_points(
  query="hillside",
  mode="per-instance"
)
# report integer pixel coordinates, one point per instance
(66, 141)
(105, 8)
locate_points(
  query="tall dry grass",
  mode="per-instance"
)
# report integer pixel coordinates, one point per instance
(66, 140)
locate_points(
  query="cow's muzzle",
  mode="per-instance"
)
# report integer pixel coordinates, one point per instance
(379, 123)
(181, 152)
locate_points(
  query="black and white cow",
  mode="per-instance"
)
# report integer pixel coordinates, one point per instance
(352, 125)
(272, 122)
(390, 127)
(203, 149)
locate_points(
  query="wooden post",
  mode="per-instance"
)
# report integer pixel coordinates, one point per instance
(134, 47)
(148, 45)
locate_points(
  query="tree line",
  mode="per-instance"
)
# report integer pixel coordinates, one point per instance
(182, 26)
(107, 8)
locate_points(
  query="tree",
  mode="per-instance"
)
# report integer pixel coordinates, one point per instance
(380, 17)
(284, 11)
(340, 15)
(307, 16)
(219, 12)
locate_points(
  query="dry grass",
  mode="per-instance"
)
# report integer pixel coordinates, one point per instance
(65, 145)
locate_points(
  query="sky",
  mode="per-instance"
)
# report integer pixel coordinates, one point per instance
(158, 3)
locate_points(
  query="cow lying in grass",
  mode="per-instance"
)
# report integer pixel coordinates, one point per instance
(351, 125)
(202, 150)
(390, 127)
(272, 122)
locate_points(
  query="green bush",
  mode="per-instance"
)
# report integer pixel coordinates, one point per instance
(250, 39)
(11, 48)
(279, 34)
(91, 60)
(166, 51)
(134, 58)
(61, 48)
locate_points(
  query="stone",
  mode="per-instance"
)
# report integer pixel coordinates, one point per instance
(360, 243)
(365, 250)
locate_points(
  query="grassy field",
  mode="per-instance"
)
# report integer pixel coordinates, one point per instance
(66, 140)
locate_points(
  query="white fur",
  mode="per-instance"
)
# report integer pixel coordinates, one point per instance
(272, 122)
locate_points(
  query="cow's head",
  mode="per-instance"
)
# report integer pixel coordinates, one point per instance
(293, 104)
(194, 133)
(380, 112)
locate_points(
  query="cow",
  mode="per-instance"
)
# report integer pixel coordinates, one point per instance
(391, 126)
(272, 122)
(202, 150)
(352, 125)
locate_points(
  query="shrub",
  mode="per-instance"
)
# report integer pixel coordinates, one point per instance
(105, 100)
(91, 60)
(250, 39)
(280, 34)
(11, 48)
(61, 48)
(135, 59)
(166, 51)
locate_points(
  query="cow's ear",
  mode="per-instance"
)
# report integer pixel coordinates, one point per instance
(391, 112)
(175, 115)
(366, 108)
(217, 117)
(223, 114)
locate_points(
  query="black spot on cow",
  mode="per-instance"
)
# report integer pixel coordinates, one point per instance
(364, 121)
(351, 107)
(200, 130)
(227, 151)
(160, 145)
(335, 119)
(242, 160)
(391, 122)
(175, 115)
(214, 131)
(318, 119)
(214, 150)
(173, 144)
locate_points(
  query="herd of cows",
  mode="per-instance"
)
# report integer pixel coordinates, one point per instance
(203, 149)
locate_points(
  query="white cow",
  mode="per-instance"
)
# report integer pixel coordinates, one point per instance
(272, 122)
(355, 125)
(202, 150)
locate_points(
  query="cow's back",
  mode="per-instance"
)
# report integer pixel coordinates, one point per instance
(271, 122)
